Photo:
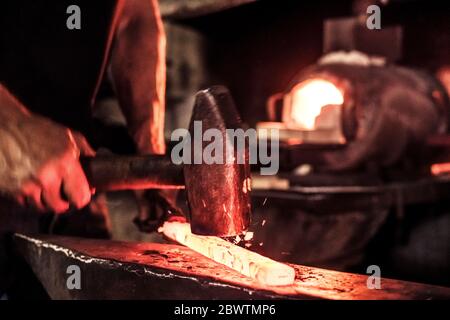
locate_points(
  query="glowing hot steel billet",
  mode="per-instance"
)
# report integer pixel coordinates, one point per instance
(250, 264)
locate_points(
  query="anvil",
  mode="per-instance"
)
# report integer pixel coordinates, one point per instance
(131, 270)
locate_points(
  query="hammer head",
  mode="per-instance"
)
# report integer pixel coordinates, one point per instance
(218, 193)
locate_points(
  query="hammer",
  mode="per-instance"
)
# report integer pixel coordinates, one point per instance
(218, 196)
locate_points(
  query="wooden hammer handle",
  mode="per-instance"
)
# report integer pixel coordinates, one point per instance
(108, 173)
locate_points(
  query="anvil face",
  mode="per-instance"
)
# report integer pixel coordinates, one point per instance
(127, 270)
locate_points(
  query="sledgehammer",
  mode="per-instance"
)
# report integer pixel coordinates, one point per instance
(217, 194)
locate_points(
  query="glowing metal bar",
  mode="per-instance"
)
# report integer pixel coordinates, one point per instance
(250, 264)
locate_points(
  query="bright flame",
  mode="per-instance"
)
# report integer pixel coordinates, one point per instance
(309, 97)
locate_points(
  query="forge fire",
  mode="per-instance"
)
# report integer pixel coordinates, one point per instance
(224, 149)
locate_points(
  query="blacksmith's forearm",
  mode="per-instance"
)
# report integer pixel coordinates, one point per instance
(138, 71)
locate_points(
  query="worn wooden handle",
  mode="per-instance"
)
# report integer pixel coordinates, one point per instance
(251, 264)
(114, 172)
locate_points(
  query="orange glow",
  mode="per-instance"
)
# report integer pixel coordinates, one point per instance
(309, 97)
(440, 168)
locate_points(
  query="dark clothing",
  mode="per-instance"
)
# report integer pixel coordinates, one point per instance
(54, 72)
